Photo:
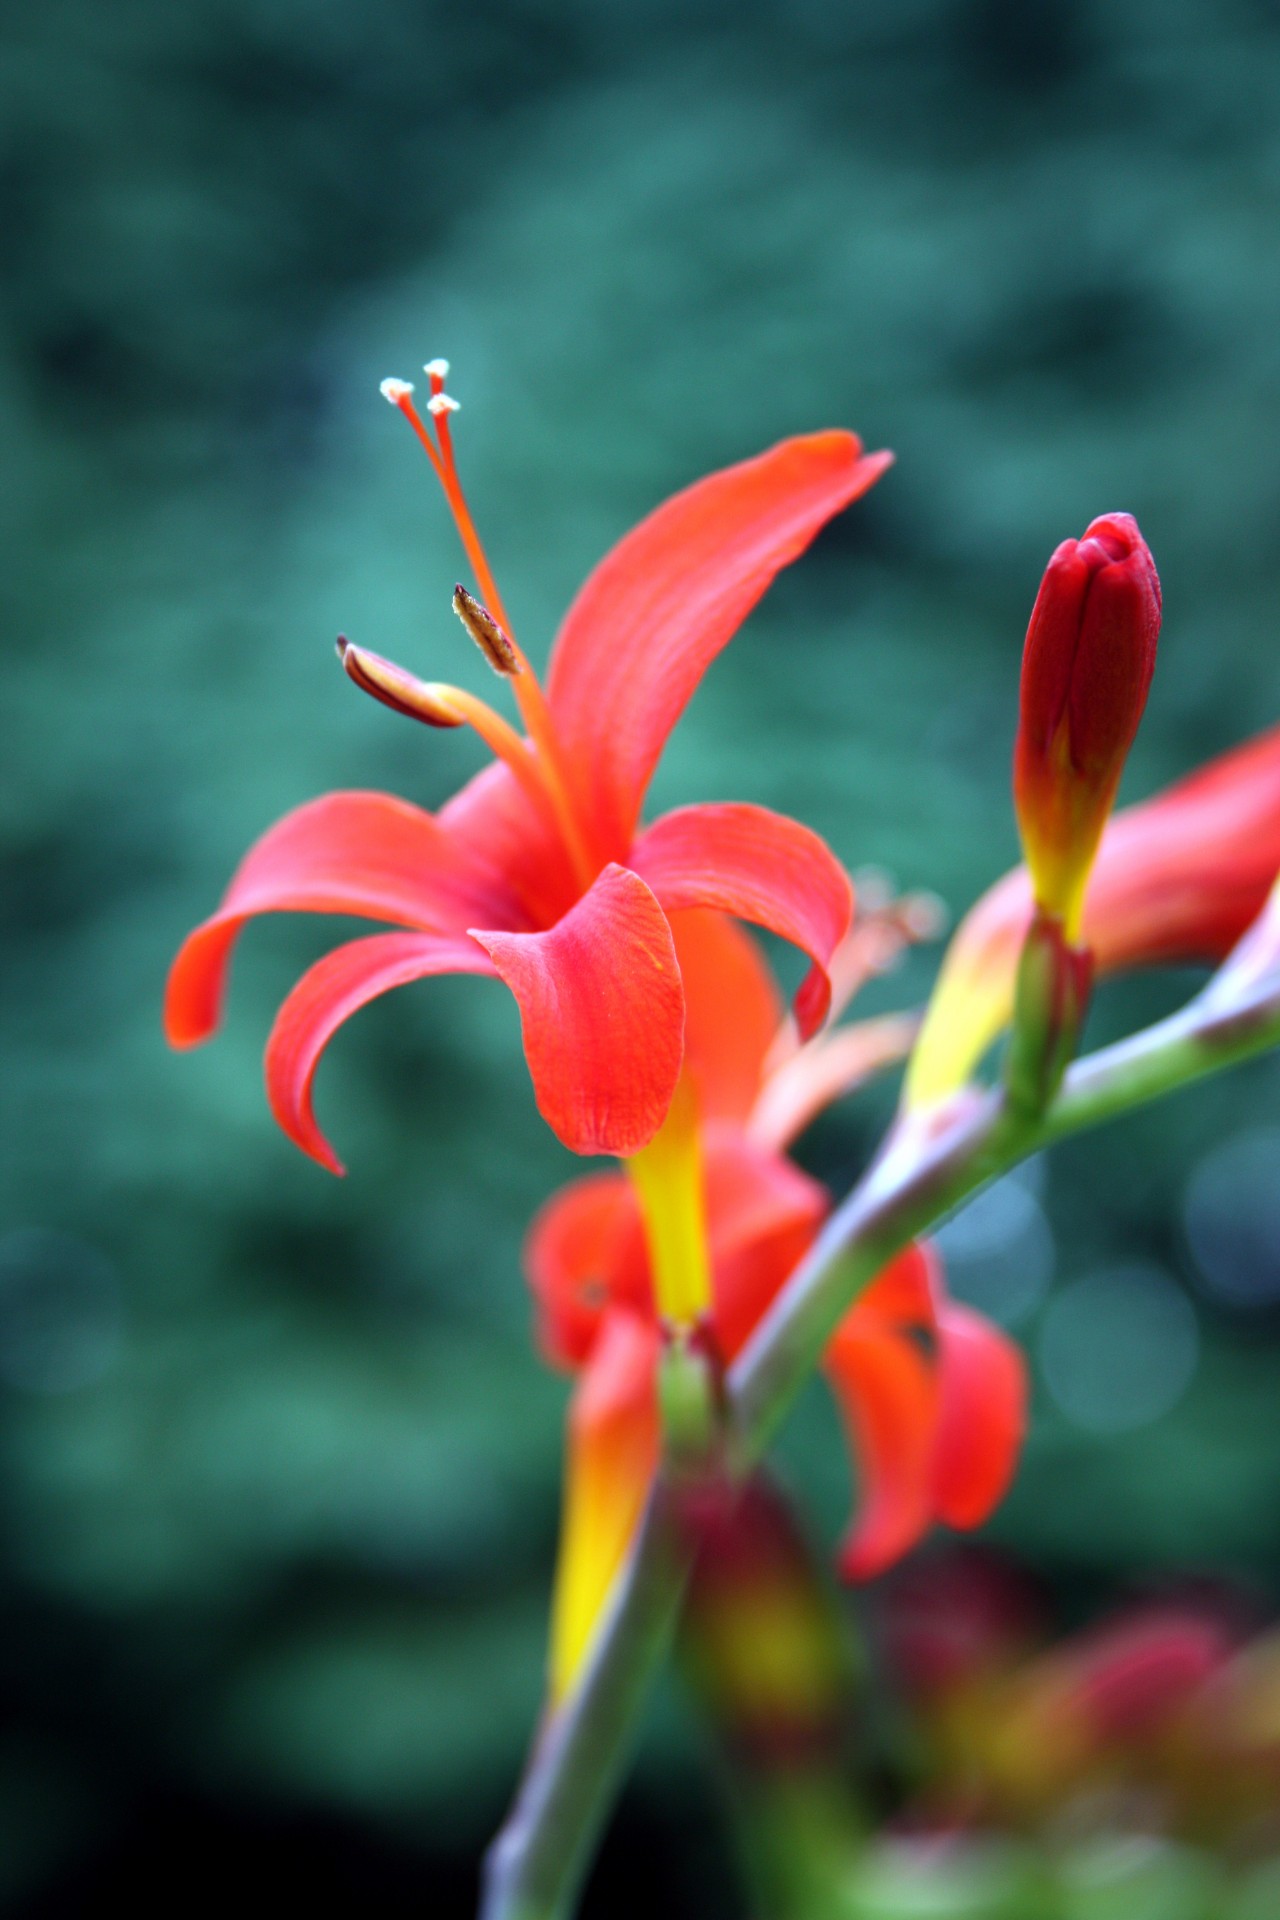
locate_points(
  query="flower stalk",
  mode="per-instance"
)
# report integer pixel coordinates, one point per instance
(929, 1165)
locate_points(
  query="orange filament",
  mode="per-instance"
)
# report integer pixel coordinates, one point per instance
(439, 705)
(525, 684)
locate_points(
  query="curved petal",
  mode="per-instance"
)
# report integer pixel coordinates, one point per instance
(888, 1400)
(493, 818)
(762, 1214)
(732, 1011)
(602, 1012)
(982, 1416)
(583, 1254)
(329, 993)
(659, 608)
(758, 866)
(611, 1456)
(832, 1065)
(1177, 879)
(359, 853)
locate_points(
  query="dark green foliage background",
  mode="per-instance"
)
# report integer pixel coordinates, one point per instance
(275, 1584)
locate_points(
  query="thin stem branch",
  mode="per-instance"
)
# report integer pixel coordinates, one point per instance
(535, 1866)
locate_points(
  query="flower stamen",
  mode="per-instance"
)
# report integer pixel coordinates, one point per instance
(530, 698)
(437, 704)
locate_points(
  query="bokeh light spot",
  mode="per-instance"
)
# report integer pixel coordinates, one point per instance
(1232, 1218)
(999, 1250)
(1118, 1348)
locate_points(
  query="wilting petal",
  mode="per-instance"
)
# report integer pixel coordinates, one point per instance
(832, 1065)
(732, 1011)
(583, 1255)
(494, 817)
(602, 1011)
(611, 1456)
(1177, 879)
(982, 1416)
(360, 853)
(888, 1399)
(762, 1214)
(758, 866)
(329, 993)
(662, 604)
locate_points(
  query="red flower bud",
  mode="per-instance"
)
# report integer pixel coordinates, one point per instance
(1086, 667)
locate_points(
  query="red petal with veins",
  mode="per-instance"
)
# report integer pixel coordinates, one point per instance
(583, 1254)
(888, 1399)
(732, 1012)
(602, 1011)
(329, 993)
(982, 1416)
(758, 866)
(359, 853)
(660, 606)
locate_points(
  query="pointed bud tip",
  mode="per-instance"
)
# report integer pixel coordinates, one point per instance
(395, 390)
(493, 642)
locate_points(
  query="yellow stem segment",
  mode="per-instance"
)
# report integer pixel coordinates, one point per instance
(667, 1175)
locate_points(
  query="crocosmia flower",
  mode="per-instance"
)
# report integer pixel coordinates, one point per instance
(1086, 668)
(1178, 879)
(540, 872)
(932, 1396)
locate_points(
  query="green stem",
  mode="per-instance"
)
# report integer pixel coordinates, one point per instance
(928, 1166)
(535, 1866)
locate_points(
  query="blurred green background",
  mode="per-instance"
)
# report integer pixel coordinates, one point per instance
(278, 1494)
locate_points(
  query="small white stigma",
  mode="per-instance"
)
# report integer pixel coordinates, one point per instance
(442, 403)
(437, 369)
(396, 390)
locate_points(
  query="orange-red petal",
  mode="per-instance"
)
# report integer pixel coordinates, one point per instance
(360, 853)
(982, 1416)
(732, 1011)
(583, 1254)
(602, 1011)
(888, 1399)
(659, 608)
(611, 1456)
(493, 816)
(759, 866)
(327, 995)
(762, 1214)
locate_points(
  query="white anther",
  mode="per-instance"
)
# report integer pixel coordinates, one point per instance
(396, 390)
(437, 369)
(442, 403)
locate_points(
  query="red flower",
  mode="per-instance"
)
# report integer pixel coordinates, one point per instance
(1178, 879)
(539, 872)
(932, 1396)
(1089, 656)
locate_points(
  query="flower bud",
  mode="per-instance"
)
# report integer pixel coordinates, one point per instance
(1086, 667)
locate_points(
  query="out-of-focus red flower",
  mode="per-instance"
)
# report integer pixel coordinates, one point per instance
(539, 872)
(1089, 656)
(931, 1395)
(1178, 879)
